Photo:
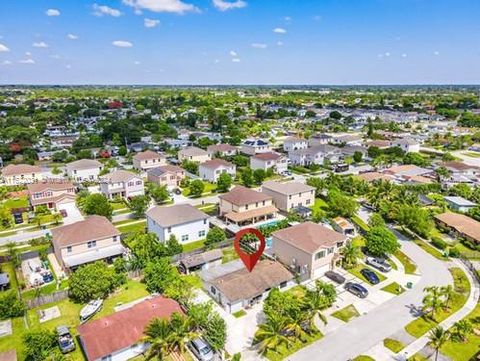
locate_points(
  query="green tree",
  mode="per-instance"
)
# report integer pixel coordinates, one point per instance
(247, 177)
(6, 218)
(224, 182)
(39, 344)
(433, 300)
(11, 305)
(159, 335)
(138, 205)
(159, 275)
(196, 188)
(357, 156)
(97, 204)
(438, 337)
(191, 167)
(462, 329)
(271, 334)
(215, 235)
(173, 247)
(340, 204)
(145, 248)
(158, 193)
(259, 176)
(380, 241)
(350, 254)
(376, 220)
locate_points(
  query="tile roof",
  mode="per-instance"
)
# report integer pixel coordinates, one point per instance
(267, 156)
(176, 214)
(14, 169)
(158, 171)
(216, 163)
(148, 154)
(45, 186)
(119, 176)
(84, 164)
(241, 195)
(461, 223)
(288, 187)
(192, 151)
(221, 148)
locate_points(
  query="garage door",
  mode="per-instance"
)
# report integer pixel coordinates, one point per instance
(319, 272)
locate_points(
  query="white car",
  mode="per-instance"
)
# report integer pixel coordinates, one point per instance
(378, 263)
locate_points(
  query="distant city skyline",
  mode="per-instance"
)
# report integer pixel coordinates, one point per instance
(220, 42)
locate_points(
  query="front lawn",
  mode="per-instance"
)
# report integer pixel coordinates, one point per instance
(133, 227)
(12, 203)
(356, 272)
(209, 188)
(393, 345)
(394, 288)
(193, 245)
(430, 249)
(284, 351)
(239, 314)
(319, 206)
(346, 314)
(407, 263)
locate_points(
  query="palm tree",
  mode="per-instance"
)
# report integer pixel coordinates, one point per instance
(448, 292)
(271, 334)
(158, 334)
(296, 323)
(314, 304)
(350, 254)
(438, 337)
(463, 328)
(182, 333)
(433, 300)
(56, 217)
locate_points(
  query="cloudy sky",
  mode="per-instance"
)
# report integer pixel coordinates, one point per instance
(240, 41)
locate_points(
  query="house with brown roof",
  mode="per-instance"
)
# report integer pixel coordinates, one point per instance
(225, 150)
(193, 154)
(308, 249)
(51, 194)
(184, 221)
(166, 175)
(460, 225)
(265, 161)
(90, 240)
(17, 174)
(460, 168)
(148, 159)
(375, 176)
(121, 183)
(84, 170)
(289, 195)
(119, 335)
(233, 287)
(211, 169)
(242, 206)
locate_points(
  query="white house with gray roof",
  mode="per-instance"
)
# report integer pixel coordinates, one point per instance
(290, 195)
(84, 170)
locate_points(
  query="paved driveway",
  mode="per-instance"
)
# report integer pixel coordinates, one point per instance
(361, 334)
(73, 213)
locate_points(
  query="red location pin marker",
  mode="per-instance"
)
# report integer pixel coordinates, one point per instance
(249, 260)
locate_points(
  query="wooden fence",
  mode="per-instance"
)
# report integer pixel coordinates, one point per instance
(42, 300)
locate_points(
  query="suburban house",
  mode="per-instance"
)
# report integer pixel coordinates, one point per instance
(235, 288)
(254, 146)
(460, 225)
(17, 174)
(201, 261)
(193, 154)
(459, 204)
(315, 155)
(375, 176)
(406, 172)
(289, 196)
(293, 143)
(319, 139)
(166, 175)
(148, 159)
(119, 336)
(348, 139)
(243, 206)
(407, 145)
(211, 169)
(460, 168)
(308, 249)
(225, 150)
(343, 226)
(90, 240)
(183, 221)
(84, 170)
(269, 160)
(51, 194)
(121, 183)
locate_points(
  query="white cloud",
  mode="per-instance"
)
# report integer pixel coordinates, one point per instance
(279, 31)
(161, 6)
(404, 55)
(27, 61)
(236, 60)
(3, 48)
(72, 36)
(279, 43)
(52, 12)
(233, 53)
(223, 5)
(27, 53)
(287, 18)
(40, 44)
(100, 10)
(6, 62)
(259, 45)
(68, 66)
(436, 52)
(387, 54)
(216, 61)
(122, 44)
(151, 23)
(136, 62)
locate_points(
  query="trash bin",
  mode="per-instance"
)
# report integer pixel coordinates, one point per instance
(409, 285)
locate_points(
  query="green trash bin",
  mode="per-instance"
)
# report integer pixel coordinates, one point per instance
(409, 285)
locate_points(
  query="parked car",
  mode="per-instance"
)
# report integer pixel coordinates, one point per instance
(335, 277)
(63, 212)
(378, 263)
(370, 276)
(65, 339)
(201, 349)
(357, 289)
(177, 191)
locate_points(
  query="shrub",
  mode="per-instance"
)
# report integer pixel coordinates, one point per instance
(439, 243)
(454, 252)
(11, 305)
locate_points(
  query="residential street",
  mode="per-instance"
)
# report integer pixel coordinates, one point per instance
(364, 332)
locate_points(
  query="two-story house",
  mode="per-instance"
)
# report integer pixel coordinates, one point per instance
(268, 160)
(255, 146)
(121, 183)
(17, 174)
(315, 155)
(148, 159)
(293, 143)
(289, 196)
(90, 240)
(184, 221)
(211, 169)
(84, 170)
(193, 154)
(51, 194)
(407, 145)
(166, 175)
(242, 206)
(225, 150)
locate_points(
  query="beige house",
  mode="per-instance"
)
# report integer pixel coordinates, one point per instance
(121, 183)
(211, 169)
(90, 240)
(16, 174)
(51, 194)
(84, 170)
(193, 154)
(167, 175)
(148, 159)
(243, 206)
(268, 160)
(308, 249)
(225, 150)
(287, 196)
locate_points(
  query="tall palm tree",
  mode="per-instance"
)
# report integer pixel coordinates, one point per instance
(158, 334)
(271, 334)
(438, 337)
(448, 292)
(182, 332)
(296, 323)
(314, 304)
(433, 300)
(350, 254)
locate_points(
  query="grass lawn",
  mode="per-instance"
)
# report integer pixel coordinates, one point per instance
(422, 325)
(394, 288)
(417, 357)
(408, 264)
(209, 188)
(14, 341)
(284, 351)
(472, 154)
(239, 314)
(359, 222)
(363, 358)
(393, 345)
(346, 314)
(319, 206)
(21, 202)
(8, 268)
(358, 241)
(135, 227)
(356, 272)
(392, 264)
(193, 245)
(45, 290)
(467, 252)
(229, 255)
(118, 205)
(430, 249)
(121, 211)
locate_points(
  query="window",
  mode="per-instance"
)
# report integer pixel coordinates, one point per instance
(69, 249)
(130, 184)
(114, 238)
(283, 284)
(138, 183)
(290, 196)
(201, 234)
(263, 203)
(339, 244)
(213, 290)
(319, 255)
(169, 229)
(246, 207)
(204, 221)
(185, 238)
(91, 244)
(307, 202)
(330, 250)
(256, 204)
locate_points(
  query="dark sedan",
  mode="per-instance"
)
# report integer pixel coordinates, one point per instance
(335, 277)
(370, 276)
(357, 289)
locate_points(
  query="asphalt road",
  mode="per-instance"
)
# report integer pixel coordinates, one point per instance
(361, 334)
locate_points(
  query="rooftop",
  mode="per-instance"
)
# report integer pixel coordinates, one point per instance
(119, 176)
(287, 188)
(176, 214)
(241, 196)
(14, 169)
(158, 171)
(84, 164)
(461, 223)
(148, 154)
(267, 156)
(216, 163)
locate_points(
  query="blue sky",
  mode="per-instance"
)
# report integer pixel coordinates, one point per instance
(240, 42)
